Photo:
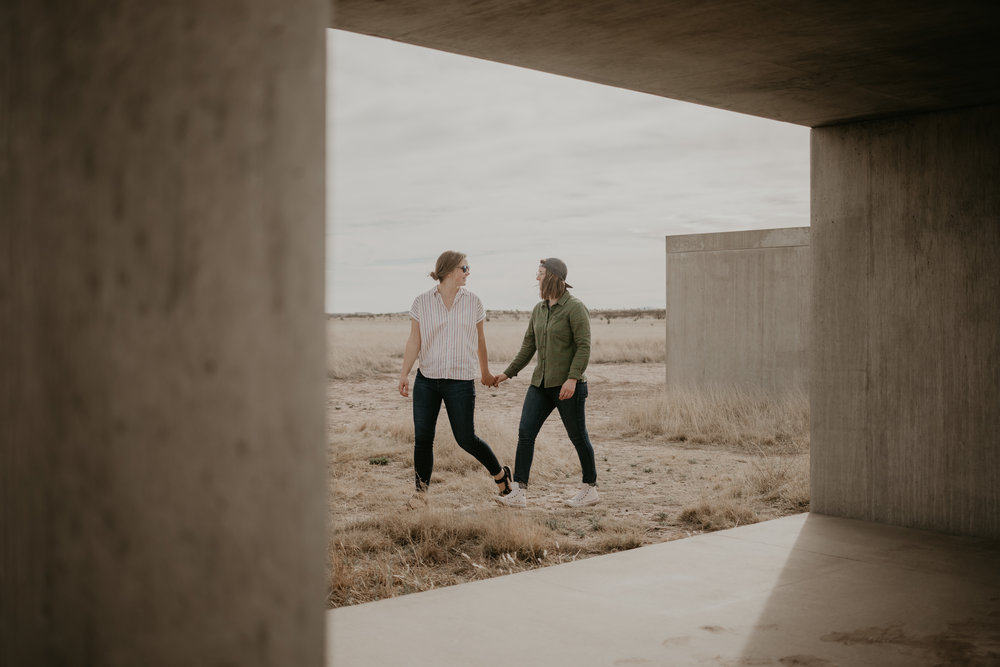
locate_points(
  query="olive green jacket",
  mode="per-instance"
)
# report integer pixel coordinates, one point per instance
(561, 336)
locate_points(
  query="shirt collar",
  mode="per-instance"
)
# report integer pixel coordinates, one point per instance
(437, 293)
(561, 302)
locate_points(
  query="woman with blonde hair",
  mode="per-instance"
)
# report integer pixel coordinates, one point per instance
(559, 331)
(446, 333)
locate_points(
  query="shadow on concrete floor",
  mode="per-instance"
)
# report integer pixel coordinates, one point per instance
(805, 590)
(856, 593)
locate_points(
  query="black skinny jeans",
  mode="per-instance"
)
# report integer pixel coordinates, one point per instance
(459, 397)
(538, 405)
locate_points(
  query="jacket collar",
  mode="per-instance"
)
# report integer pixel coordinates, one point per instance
(562, 300)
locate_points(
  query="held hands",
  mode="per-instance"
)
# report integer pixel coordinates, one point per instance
(567, 390)
(488, 380)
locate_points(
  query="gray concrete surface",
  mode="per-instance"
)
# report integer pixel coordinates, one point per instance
(161, 360)
(906, 345)
(812, 64)
(738, 309)
(805, 590)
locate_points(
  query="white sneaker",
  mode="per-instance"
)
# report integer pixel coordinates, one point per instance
(516, 497)
(587, 495)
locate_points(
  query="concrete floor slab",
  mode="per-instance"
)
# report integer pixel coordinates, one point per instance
(803, 590)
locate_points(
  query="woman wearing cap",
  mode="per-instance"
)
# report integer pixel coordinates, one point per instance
(559, 330)
(446, 332)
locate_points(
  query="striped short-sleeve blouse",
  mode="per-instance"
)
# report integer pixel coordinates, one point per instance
(448, 338)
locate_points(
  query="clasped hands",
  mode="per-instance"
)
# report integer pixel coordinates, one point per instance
(490, 380)
(566, 391)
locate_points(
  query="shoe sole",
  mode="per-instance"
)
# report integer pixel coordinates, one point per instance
(586, 504)
(503, 504)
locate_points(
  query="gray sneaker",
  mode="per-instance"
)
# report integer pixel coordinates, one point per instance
(516, 497)
(587, 495)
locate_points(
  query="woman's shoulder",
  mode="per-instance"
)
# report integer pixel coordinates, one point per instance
(473, 297)
(423, 298)
(575, 302)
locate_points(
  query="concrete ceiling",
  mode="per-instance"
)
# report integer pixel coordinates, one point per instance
(810, 63)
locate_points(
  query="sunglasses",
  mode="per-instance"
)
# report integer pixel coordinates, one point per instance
(465, 269)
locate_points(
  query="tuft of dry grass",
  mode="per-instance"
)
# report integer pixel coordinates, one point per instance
(434, 547)
(752, 420)
(781, 482)
(430, 548)
(718, 515)
(615, 535)
(388, 438)
(768, 487)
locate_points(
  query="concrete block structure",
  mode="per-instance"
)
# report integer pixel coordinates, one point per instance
(738, 309)
(161, 352)
(906, 334)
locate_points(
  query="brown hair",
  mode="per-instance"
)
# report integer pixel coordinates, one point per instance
(551, 286)
(447, 262)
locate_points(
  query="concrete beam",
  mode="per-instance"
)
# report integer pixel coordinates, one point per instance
(812, 64)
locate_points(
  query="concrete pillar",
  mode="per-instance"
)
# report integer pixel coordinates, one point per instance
(738, 309)
(906, 330)
(161, 294)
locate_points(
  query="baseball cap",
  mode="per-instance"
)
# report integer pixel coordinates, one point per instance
(556, 266)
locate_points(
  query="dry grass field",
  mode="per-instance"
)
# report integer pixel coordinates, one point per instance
(670, 465)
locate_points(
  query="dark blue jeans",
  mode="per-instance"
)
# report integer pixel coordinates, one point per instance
(459, 397)
(538, 405)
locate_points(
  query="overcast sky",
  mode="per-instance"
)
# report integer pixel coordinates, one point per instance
(431, 151)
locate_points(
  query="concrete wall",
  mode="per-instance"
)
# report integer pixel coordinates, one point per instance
(906, 337)
(738, 309)
(161, 349)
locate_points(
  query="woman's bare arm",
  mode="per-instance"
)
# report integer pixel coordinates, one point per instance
(409, 357)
